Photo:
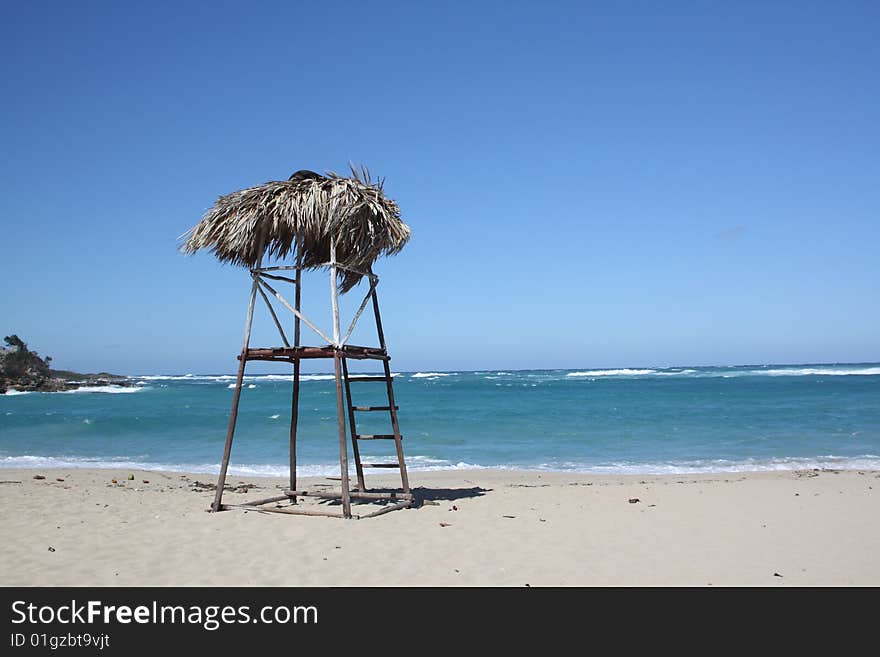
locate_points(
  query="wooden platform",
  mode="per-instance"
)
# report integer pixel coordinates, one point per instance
(291, 354)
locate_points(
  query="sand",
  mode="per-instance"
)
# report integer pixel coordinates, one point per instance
(479, 528)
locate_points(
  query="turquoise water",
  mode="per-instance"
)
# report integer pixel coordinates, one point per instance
(697, 419)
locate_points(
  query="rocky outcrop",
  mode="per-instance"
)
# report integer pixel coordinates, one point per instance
(25, 371)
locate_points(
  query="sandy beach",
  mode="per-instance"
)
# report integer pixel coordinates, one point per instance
(474, 528)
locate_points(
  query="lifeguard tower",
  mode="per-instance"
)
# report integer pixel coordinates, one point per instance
(315, 222)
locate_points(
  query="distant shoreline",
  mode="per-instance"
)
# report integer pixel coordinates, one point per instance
(63, 380)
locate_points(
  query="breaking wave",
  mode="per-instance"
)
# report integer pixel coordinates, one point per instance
(623, 372)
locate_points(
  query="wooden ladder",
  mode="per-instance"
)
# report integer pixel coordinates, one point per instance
(356, 437)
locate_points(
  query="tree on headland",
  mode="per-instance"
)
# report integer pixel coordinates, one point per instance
(15, 342)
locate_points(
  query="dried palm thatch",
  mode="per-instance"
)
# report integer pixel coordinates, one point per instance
(303, 215)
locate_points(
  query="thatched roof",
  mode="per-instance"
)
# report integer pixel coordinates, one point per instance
(303, 213)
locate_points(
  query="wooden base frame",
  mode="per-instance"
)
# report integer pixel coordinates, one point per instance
(398, 501)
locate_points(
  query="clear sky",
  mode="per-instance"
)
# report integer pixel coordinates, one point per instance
(589, 184)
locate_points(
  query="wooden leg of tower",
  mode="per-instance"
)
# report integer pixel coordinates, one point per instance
(398, 443)
(343, 446)
(294, 418)
(236, 396)
(404, 479)
(294, 405)
(362, 486)
(230, 432)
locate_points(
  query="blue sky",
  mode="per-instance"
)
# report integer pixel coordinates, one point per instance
(588, 184)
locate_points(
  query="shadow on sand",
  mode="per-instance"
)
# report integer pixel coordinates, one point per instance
(422, 496)
(425, 496)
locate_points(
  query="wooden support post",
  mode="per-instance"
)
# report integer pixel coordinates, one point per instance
(287, 279)
(236, 396)
(355, 495)
(267, 500)
(287, 509)
(378, 317)
(404, 479)
(360, 310)
(294, 311)
(388, 509)
(294, 404)
(334, 294)
(362, 486)
(337, 367)
(274, 316)
(343, 447)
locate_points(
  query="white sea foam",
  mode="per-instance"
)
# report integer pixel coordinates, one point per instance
(708, 372)
(820, 371)
(224, 378)
(419, 463)
(274, 417)
(113, 390)
(428, 464)
(413, 460)
(676, 373)
(708, 466)
(168, 377)
(789, 371)
(253, 470)
(622, 372)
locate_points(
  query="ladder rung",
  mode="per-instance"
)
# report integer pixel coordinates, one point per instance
(381, 465)
(367, 378)
(378, 436)
(374, 408)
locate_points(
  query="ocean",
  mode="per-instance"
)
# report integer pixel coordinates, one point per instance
(615, 421)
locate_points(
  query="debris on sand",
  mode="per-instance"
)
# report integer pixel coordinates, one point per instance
(199, 486)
